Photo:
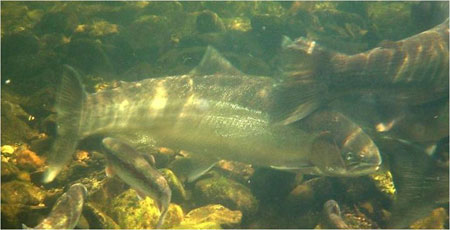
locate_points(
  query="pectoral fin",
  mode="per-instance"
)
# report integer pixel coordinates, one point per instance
(190, 169)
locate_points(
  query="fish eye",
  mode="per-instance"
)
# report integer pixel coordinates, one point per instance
(349, 156)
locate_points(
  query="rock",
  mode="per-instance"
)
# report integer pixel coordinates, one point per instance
(9, 171)
(89, 55)
(239, 24)
(97, 219)
(62, 19)
(178, 192)
(221, 190)
(311, 194)
(268, 30)
(237, 170)
(102, 191)
(27, 159)
(98, 28)
(20, 43)
(130, 212)
(355, 219)
(15, 129)
(212, 216)
(8, 149)
(208, 21)
(436, 220)
(384, 183)
(148, 31)
(392, 20)
(19, 192)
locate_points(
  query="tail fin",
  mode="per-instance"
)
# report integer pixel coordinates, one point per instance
(421, 184)
(303, 88)
(69, 103)
(25, 227)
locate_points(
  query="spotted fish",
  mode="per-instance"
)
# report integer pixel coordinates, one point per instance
(213, 113)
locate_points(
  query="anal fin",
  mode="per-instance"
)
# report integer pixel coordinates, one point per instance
(192, 168)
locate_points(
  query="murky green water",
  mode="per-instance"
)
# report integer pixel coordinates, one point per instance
(278, 107)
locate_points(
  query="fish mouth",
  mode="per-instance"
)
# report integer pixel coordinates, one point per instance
(364, 168)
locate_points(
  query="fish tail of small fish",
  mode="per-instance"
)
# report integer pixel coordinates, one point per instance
(25, 227)
(161, 218)
(301, 90)
(69, 104)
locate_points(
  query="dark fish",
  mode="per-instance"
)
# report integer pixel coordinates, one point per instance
(410, 71)
(422, 184)
(137, 172)
(214, 114)
(333, 215)
(66, 211)
(338, 133)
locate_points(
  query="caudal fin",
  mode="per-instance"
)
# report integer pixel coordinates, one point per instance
(303, 89)
(421, 184)
(69, 103)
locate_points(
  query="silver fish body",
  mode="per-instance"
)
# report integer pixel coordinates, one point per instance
(67, 210)
(214, 116)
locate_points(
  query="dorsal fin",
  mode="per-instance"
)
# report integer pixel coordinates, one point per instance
(214, 63)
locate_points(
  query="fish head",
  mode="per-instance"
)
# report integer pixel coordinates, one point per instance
(354, 157)
(80, 189)
(361, 156)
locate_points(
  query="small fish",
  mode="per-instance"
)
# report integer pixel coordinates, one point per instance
(136, 171)
(411, 71)
(66, 211)
(333, 215)
(213, 114)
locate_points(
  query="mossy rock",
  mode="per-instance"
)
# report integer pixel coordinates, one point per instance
(20, 192)
(221, 190)
(9, 171)
(132, 213)
(97, 218)
(213, 216)
(436, 220)
(392, 20)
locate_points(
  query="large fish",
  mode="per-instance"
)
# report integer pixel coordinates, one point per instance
(212, 113)
(411, 71)
(67, 210)
(139, 173)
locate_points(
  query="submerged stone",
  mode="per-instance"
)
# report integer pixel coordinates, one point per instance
(20, 192)
(130, 212)
(208, 21)
(9, 171)
(436, 220)
(97, 218)
(221, 190)
(212, 216)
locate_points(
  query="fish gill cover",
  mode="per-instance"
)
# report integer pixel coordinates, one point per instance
(239, 114)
